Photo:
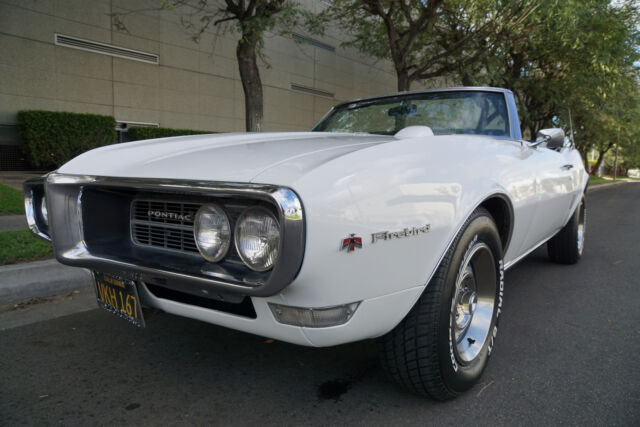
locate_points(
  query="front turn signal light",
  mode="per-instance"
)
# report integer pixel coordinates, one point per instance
(314, 317)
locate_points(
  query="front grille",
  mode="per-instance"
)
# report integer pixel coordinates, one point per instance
(163, 224)
(173, 229)
(117, 232)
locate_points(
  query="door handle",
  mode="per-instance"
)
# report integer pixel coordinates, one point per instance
(566, 167)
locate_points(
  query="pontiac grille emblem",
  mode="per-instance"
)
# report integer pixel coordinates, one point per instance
(169, 215)
(351, 243)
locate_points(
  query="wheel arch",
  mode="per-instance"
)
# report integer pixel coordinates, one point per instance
(501, 209)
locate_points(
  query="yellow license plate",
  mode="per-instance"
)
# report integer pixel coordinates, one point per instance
(119, 296)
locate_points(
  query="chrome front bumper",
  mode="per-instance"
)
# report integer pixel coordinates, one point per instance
(87, 231)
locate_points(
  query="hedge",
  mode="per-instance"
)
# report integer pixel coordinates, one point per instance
(49, 138)
(136, 133)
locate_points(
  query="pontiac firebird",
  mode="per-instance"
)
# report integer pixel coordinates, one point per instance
(393, 219)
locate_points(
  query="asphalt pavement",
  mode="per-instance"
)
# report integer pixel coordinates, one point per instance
(567, 353)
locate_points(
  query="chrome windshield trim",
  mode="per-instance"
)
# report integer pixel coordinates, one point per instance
(515, 134)
(435, 90)
(286, 202)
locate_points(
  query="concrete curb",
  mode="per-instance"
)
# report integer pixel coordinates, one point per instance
(39, 279)
(607, 185)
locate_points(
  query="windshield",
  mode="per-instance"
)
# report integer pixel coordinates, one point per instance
(460, 112)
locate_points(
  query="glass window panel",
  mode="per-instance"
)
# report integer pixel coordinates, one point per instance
(459, 112)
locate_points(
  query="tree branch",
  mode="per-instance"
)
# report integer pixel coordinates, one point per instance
(228, 18)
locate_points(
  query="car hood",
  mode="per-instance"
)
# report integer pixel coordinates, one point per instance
(239, 157)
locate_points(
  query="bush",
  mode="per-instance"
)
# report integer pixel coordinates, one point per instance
(49, 139)
(147, 132)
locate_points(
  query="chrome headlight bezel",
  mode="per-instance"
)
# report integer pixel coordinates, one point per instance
(70, 196)
(43, 210)
(34, 201)
(221, 252)
(237, 234)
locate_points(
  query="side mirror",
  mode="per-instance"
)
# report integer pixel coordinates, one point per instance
(552, 138)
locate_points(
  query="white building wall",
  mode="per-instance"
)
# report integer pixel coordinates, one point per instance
(195, 85)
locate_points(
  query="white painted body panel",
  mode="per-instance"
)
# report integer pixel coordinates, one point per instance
(362, 184)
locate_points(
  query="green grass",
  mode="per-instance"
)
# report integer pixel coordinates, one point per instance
(22, 246)
(11, 201)
(596, 180)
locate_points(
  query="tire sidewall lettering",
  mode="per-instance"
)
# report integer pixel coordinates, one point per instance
(494, 332)
(455, 366)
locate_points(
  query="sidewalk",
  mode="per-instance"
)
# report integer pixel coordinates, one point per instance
(16, 178)
(608, 184)
(13, 222)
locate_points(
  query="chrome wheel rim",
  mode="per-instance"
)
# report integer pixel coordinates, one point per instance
(474, 302)
(581, 228)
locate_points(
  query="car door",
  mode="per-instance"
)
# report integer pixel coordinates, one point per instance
(555, 191)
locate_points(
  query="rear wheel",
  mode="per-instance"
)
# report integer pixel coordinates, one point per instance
(567, 246)
(442, 346)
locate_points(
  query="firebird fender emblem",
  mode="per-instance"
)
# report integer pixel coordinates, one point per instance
(351, 243)
(407, 232)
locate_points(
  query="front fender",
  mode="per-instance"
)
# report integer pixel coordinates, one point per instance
(387, 188)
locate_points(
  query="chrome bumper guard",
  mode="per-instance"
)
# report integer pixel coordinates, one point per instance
(68, 202)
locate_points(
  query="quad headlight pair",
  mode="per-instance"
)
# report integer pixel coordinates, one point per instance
(256, 235)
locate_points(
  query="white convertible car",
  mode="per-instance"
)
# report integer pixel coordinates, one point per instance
(394, 218)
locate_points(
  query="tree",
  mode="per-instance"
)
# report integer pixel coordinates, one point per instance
(610, 124)
(604, 85)
(530, 59)
(251, 19)
(425, 38)
(631, 154)
(569, 57)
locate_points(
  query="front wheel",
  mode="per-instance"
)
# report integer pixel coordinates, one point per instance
(442, 346)
(567, 246)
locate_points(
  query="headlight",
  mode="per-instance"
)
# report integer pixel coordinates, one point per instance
(258, 238)
(212, 232)
(43, 211)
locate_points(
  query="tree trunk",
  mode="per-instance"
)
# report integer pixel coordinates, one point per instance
(600, 160)
(585, 160)
(529, 130)
(404, 84)
(251, 83)
(466, 79)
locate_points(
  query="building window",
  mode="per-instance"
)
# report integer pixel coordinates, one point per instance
(311, 91)
(298, 38)
(105, 49)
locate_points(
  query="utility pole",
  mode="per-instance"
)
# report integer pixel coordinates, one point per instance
(573, 142)
(615, 164)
